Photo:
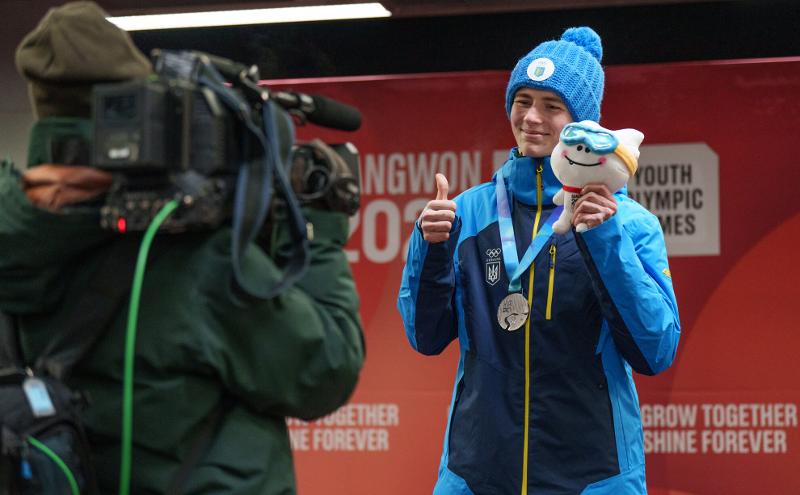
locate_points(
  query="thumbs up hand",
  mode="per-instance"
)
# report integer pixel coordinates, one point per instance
(437, 218)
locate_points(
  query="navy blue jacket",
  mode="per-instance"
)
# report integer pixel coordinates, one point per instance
(550, 408)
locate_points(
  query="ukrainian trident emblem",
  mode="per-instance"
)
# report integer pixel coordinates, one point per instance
(493, 266)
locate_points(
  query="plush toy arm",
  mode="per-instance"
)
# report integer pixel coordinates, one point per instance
(558, 198)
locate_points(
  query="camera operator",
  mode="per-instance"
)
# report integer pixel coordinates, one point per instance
(200, 351)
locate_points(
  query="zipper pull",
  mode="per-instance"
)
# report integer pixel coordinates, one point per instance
(539, 169)
(552, 255)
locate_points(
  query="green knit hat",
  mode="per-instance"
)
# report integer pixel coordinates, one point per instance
(72, 48)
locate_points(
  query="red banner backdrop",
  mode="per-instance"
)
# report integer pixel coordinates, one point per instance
(723, 419)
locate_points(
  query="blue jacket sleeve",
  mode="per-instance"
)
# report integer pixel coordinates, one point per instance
(627, 261)
(427, 293)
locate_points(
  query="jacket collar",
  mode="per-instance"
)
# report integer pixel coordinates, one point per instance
(519, 173)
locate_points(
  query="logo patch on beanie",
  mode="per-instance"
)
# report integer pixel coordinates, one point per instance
(541, 69)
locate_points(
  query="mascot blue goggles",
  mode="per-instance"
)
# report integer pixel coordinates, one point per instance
(599, 141)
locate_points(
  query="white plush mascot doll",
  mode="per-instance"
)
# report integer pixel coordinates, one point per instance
(589, 154)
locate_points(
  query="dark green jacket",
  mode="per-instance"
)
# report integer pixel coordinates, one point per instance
(297, 355)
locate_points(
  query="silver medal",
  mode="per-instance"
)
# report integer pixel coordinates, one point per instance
(512, 312)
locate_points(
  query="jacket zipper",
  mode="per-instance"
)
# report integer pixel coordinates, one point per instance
(548, 313)
(539, 168)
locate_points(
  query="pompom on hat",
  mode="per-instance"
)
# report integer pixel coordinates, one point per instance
(570, 67)
(72, 48)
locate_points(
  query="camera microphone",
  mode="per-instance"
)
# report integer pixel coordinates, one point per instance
(320, 110)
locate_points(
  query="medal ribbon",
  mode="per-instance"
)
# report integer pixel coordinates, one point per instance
(514, 266)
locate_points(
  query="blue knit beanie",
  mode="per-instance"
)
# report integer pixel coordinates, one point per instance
(570, 67)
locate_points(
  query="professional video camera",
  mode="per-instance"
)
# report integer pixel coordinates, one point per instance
(203, 133)
(189, 132)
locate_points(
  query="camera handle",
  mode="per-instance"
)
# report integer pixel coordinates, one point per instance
(316, 109)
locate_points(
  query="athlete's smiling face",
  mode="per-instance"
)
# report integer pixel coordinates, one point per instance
(537, 117)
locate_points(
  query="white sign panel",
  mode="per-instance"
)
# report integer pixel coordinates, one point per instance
(679, 183)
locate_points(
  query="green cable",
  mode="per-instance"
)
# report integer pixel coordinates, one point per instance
(73, 485)
(130, 344)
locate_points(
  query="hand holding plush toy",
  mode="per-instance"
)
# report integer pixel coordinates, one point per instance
(589, 154)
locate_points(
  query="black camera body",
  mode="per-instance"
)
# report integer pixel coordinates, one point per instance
(183, 135)
(161, 124)
(164, 138)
